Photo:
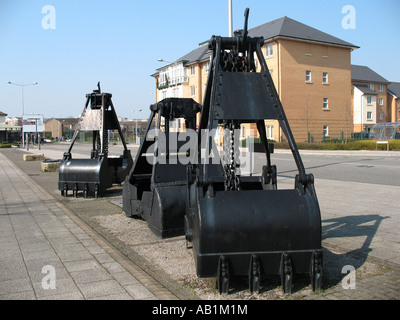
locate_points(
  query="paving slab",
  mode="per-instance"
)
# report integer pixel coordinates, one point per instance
(46, 253)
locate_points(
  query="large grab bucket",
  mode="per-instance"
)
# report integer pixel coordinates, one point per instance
(241, 224)
(93, 176)
(256, 232)
(155, 189)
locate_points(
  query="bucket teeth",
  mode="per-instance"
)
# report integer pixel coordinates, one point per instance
(64, 191)
(85, 191)
(223, 275)
(254, 274)
(316, 271)
(75, 191)
(286, 273)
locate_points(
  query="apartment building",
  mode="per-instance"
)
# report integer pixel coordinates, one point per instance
(393, 101)
(310, 69)
(370, 98)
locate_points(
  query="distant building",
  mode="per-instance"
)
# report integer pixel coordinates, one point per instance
(3, 117)
(394, 101)
(60, 127)
(14, 121)
(9, 132)
(370, 105)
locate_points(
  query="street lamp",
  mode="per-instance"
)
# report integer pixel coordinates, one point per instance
(22, 85)
(136, 126)
(230, 17)
(162, 60)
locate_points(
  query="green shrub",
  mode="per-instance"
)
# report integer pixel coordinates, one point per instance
(394, 145)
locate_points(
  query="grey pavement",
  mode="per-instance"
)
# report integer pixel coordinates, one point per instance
(48, 253)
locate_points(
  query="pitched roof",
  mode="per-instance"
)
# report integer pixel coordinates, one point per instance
(394, 88)
(287, 27)
(283, 27)
(365, 89)
(200, 53)
(363, 73)
(2, 113)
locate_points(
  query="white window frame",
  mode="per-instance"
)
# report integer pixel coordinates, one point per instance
(192, 70)
(207, 67)
(325, 77)
(270, 132)
(326, 131)
(369, 99)
(371, 86)
(192, 91)
(308, 76)
(325, 103)
(269, 50)
(381, 101)
(369, 115)
(380, 87)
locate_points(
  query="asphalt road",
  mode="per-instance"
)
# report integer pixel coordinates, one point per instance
(372, 170)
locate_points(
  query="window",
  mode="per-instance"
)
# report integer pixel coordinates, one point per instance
(369, 99)
(308, 76)
(380, 87)
(207, 67)
(325, 103)
(326, 131)
(381, 101)
(371, 86)
(192, 90)
(270, 132)
(380, 116)
(369, 115)
(269, 50)
(192, 70)
(325, 77)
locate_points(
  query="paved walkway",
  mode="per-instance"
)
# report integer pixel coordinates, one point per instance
(46, 252)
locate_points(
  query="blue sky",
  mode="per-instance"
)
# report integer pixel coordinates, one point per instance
(119, 42)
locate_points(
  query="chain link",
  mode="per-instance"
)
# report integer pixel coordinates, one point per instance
(231, 154)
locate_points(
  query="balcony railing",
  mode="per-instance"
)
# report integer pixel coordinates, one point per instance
(169, 82)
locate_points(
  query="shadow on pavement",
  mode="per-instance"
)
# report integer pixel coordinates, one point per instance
(359, 232)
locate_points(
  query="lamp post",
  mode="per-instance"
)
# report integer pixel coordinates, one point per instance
(162, 60)
(136, 126)
(230, 24)
(22, 85)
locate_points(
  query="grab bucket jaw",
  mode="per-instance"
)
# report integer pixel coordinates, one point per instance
(155, 191)
(96, 174)
(266, 223)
